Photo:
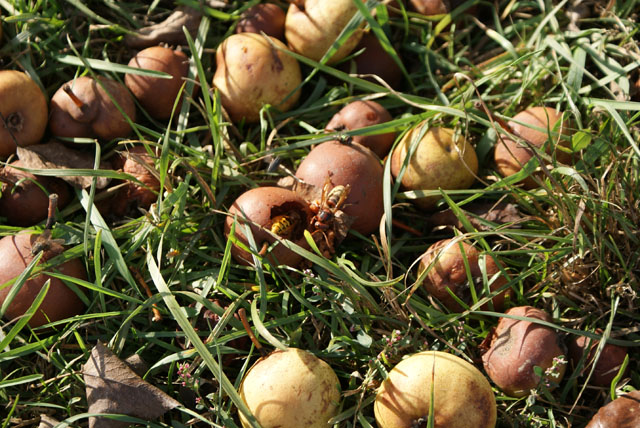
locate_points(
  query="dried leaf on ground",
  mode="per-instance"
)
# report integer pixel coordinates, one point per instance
(170, 30)
(47, 421)
(55, 155)
(112, 387)
(497, 213)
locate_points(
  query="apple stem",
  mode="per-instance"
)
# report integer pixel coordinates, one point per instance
(157, 316)
(245, 323)
(51, 213)
(77, 101)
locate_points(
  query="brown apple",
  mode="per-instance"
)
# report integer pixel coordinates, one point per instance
(16, 252)
(83, 108)
(623, 412)
(608, 364)
(23, 112)
(25, 198)
(348, 163)
(517, 346)
(157, 95)
(360, 114)
(446, 263)
(375, 60)
(265, 18)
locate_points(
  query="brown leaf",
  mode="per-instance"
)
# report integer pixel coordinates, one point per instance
(47, 421)
(112, 387)
(168, 31)
(55, 155)
(500, 214)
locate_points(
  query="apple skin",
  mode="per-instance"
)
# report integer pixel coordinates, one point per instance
(312, 30)
(60, 302)
(24, 107)
(623, 412)
(260, 206)
(439, 161)
(463, 397)
(360, 114)
(157, 96)
(291, 389)
(449, 272)
(26, 204)
(348, 164)
(509, 155)
(263, 17)
(97, 117)
(517, 346)
(375, 60)
(251, 73)
(608, 364)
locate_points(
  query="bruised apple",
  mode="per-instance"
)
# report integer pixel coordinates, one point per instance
(84, 108)
(441, 159)
(312, 26)
(462, 395)
(609, 361)
(447, 272)
(24, 111)
(290, 389)
(517, 346)
(264, 17)
(251, 73)
(623, 412)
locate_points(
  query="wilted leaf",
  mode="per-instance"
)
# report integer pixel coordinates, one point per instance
(112, 387)
(500, 214)
(168, 31)
(47, 421)
(54, 155)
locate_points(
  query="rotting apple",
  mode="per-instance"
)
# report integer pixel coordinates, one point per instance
(517, 346)
(462, 395)
(157, 95)
(23, 112)
(312, 26)
(16, 252)
(269, 209)
(623, 412)
(291, 389)
(446, 263)
(608, 364)
(251, 72)
(510, 155)
(442, 159)
(24, 199)
(264, 17)
(84, 108)
(360, 114)
(348, 163)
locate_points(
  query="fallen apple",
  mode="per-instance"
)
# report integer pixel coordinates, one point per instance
(441, 159)
(517, 346)
(534, 125)
(157, 95)
(462, 396)
(267, 18)
(251, 72)
(623, 412)
(84, 108)
(609, 361)
(312, 26)
(23, 112)
(290, 389)
(445, 261)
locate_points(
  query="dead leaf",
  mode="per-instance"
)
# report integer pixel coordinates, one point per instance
(55, 155)
(112, 387)
(47, 421)
(306, 191)
(170, 30)
(500, 214)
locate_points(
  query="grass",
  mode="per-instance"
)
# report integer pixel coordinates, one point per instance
(575, 254)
